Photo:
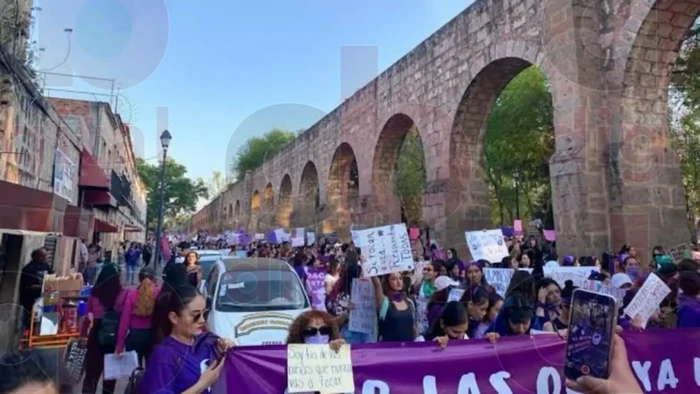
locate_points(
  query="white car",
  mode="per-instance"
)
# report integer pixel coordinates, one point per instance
(253, 301)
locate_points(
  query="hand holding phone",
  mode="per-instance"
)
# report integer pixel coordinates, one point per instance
(593, 318)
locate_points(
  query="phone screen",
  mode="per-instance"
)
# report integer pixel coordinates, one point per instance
(591, 328)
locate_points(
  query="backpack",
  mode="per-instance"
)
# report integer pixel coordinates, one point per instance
(107, 331)
(134, 381)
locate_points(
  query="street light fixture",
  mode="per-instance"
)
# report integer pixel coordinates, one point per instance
(165, 139)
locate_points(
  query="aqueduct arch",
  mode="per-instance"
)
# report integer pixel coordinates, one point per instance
(343, 187)
(607, 64)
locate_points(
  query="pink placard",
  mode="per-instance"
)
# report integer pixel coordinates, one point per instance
(413, 233)
(549, 235)
(518, 226)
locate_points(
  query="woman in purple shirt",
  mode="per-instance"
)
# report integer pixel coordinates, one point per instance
(186, 361)
(689, 301)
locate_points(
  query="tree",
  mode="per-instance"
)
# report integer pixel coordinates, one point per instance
(410, 177)
(518, 142)
(258, 149)
(216, 184)
(181, 193)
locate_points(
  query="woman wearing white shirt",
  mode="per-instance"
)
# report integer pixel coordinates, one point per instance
(452, 324)
(332, 275)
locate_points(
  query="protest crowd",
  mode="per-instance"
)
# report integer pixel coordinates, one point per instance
(361, 292)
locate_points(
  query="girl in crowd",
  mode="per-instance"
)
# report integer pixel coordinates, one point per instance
(525, 259)
(521, 283)
(338, 301)
(454, 272)
(516, 318)
(175, 278)
(548, 300)
(136, 316)
(194, 271)
(476, 299)
(453, 259)
(397, 321)
(452, 324)
(132, 257)
(32, 372)
(424, 292)
(332, 275)
(689, 300)
(474, 276)
(621, 281)
(495, 304)
(561, 321)
(103, 307)
(509, 262)
(187, 361)
(315, 328)
(441, 292)
(299, 266)
(630, 266)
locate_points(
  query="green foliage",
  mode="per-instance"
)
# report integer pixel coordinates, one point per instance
(258, 149)
(410, 177)
(684, 109)
(181, 193)
(216, 184)
(518, 142)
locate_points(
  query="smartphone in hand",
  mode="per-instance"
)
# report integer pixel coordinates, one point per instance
(593, 317)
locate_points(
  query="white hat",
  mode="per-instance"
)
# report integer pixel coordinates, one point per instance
(443, 282)
(552, 263)
(620, 279)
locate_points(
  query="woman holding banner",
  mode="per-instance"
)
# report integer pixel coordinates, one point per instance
(452, 324)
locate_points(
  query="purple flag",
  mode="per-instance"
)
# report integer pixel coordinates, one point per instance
(663, 361)
(271, 237)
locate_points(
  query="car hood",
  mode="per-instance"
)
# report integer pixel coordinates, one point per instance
(255, 328)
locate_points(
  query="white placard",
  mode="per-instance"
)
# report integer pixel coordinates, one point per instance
(363, 316)
(299, 232)
(499, 278)
(386, 248)
(647, 299)
(281, 236)
(259, 236)
(455, 295)
(310, 238)
(578, 275)
(487, 245)
(318, 368)
(297, 241)
(122, 367)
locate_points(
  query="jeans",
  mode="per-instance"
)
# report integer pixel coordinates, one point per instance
(130, 273)
(355, 337)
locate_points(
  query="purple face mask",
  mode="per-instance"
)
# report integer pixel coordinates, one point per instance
(632, 271)
(317, 340)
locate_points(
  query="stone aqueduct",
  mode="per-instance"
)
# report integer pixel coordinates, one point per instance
(615, 177)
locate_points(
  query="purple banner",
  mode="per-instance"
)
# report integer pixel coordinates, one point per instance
(314, 280)
(663, 361)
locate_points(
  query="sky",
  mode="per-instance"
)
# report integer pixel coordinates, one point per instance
(217, 73)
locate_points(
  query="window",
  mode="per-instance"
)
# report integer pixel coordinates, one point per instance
(212, 279)
(260, 291)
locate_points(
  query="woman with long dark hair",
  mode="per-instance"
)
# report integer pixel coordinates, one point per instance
(338, 302)
(187, 360)
(451, 325)
(104, 306)
(175, 278)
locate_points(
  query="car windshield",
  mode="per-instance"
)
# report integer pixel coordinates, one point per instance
(260, 291)
(207, 263)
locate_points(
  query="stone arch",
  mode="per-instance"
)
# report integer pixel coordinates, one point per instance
(268, 202)
(384, 166)
(644, 177)
(467, 195)
(285, 202)
(309, 195)
(255, 205)
(343, 188)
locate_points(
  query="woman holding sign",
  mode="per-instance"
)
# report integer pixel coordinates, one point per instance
(315, 328)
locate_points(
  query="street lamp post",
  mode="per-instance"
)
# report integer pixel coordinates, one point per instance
(165, 143)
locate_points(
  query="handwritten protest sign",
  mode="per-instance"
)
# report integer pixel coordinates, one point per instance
(600, 287)
(363, 316)
(387, 249)
(679, 253)
(487, 245)
(578, 275)
(648, 299)
(499, 278)
(316, 290)
(318, 368)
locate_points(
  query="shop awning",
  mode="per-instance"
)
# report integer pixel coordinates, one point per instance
(99, 198)
(26, 208)
(103, 227)
(91, 174)
(76, 222)
(132, 229)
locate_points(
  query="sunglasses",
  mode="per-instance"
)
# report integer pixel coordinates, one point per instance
(199, 315)
(313, 331)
